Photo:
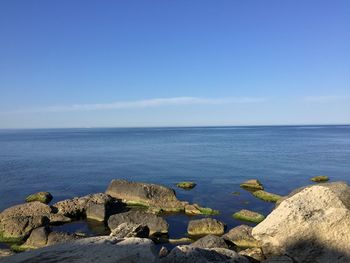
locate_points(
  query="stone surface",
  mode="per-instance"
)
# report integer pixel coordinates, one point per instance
(210, 241)
(26, 209)
(92, 250)
(156, 196)
(38, 238)
(320, 178)
(163, 252)
(249, 216)
(189, 254)
(76, 207)
(266, 196)
(125, 230)
(58, 219)
(253, 254)
(252, 184)
(310, 226)
(280, 259)
(156, 224)
(5, 252)
(60, 237)
(96, 212)
(43, 197)
(195, 209)
(242, 237)
(186, 185)
(205, 226)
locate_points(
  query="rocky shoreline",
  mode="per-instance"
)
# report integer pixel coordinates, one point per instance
(311, 224)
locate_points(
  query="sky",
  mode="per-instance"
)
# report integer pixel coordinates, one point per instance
(138, 63)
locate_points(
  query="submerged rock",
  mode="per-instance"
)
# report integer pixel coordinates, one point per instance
(195, 209)
(250, 216)
(205, 226)
(266, 196)
(242, 237)
(320, 179)
(186, 185)
(156, 224)
(43, 197)
(210, 241)
(252, 184)
(149, 195)
(92, 250)
(310, 226)
(125, 230)
(190, 254)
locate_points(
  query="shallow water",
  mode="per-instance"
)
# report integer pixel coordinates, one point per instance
(74, 162)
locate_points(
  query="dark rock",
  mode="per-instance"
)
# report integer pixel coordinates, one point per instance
(96, 212)
(38, 238)
(253, 254)
(43, 197)
(125, 230)
(163, 252)
(210, 241)
(242, 237)
(156, 224)
(60, 237)
(205, 226)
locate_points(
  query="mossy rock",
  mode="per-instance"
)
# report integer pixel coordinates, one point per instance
(43, 197)
(9, 239)
(249, 216)
(186, 185)
(195, 209)
(320, 179)
(266, 196)
(252, 184)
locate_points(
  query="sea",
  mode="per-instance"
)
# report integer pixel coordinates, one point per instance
(76, 162)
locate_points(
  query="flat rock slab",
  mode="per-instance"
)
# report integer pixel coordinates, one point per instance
(156, 224)
(252, 184)
(210, 241)
(205, 226)
(92, 250)
(151, 195)
(242, 237)
(249, 216)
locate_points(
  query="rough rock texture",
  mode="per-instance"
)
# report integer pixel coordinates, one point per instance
(92, 250)
(125, 230)
(310, 226)
(280, 259)
(60, 237)
(205, 226)
(27, 209)
(186, 185)
(77, 206)
(96, 212)
(156, 224)
(58, 219)
(253, 254)
(38, 238)
(5, 252)
(242, 237)
(210, 241)
(189, 254)
(152, 195)
(43, 197)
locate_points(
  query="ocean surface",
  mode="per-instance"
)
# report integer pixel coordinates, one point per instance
(76, 162)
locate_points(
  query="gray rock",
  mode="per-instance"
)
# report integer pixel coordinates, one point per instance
(279, 259)
(92, 250)
(96, 212)
(60, 237)
(163, 252)
(58, 219)
(253, 254)
(242, 237)
(125, 230)
(43, 197)
(189, 254)
(27, 209)
(205, 226)
(38, 238)
(150, 195)
(156, 224)
(210, 241)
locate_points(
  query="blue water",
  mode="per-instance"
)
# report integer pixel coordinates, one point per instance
(74, 162)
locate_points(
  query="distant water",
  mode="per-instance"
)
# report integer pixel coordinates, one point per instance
(75, 162)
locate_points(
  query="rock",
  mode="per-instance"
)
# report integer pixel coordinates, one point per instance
(242, 237)
(76, 207)
(253, 254)
(92, 250)
(252, 184)
(205, 226)
(310, 226)
(266, 196)
(182, 240)
(37, 238)
(57, 219)
(5, 252)
(320, 179)
(14, 229)
(125, 230)
(197, 210)
(247, 215)
(163, 252)
(189, 254)
(28, 209)
(236, 193)
(96, 212)
(186, 185)
(156, 224)
(43, 197)
(210, 241)
(280, 259)
(60, 237)
(149, 195)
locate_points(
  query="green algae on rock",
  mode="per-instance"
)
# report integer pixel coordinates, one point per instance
(186, 185)
(266, 196)
(250, 216)
(43, 197)
(195, 209)
(252, 184)
(320, 178)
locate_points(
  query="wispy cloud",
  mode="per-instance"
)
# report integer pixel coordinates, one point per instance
(156, 102)
(325, 99)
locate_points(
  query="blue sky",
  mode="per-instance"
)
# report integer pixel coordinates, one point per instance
(174, 63)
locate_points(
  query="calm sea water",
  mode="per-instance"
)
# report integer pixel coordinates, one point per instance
(75, 162)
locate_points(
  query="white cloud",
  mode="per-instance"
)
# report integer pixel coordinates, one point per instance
(156, 102)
